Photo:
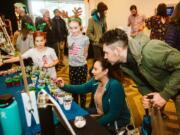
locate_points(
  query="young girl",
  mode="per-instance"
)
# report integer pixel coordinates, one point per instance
(42, 56)
(78, 50)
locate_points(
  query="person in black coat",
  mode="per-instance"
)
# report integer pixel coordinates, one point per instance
(61, 33)
(45, 24)
(172, 36)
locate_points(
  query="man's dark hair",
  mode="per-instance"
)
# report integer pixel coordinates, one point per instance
(161, 10)
(113, 36)
(55, 10)
(133, 7)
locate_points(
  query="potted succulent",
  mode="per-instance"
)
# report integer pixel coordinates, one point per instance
(16, 80)
(9, 82)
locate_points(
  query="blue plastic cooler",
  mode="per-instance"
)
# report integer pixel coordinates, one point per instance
(9, 116)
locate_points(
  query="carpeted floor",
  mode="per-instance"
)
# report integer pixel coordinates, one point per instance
(133, 97)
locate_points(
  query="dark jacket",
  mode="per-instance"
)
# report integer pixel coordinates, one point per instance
(61, 31)
(48, 28)
(113, 101)
(172, 36)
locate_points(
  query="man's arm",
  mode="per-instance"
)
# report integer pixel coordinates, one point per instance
(172, 65)
(143, 87)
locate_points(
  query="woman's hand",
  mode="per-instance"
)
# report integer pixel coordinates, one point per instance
(94, 116)
(47, 65)
(60, 82)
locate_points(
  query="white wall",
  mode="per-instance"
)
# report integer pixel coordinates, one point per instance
(118, 11)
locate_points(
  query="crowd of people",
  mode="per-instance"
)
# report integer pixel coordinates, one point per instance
(153, 62)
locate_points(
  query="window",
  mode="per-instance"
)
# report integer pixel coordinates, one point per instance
(36, 5)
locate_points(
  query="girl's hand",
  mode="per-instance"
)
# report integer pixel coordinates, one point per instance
(60, 82)
(47, 65)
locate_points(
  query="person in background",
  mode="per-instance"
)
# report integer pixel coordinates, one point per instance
(45, 24)
(152, 64)
(158, 23)
(61, 33)
(19, 9)
(25, 39)
(78, 50)
(96, 27)
(44, 57)
(8, 25)
(109, 104)
(172, 36)
(136, 21)
(22, 19)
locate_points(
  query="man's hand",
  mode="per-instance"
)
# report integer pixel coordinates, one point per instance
(1, 63)
(157, 101)
(146, 102)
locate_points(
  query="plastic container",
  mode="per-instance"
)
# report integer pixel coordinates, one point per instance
(9, 116)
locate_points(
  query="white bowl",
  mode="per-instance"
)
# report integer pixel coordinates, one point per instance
(79, 122)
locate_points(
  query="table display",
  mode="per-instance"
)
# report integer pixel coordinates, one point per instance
(47, 84)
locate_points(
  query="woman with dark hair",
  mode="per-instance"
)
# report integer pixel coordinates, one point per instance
(158, 23)
(172, 36)
(96, 27)
(108, 96)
